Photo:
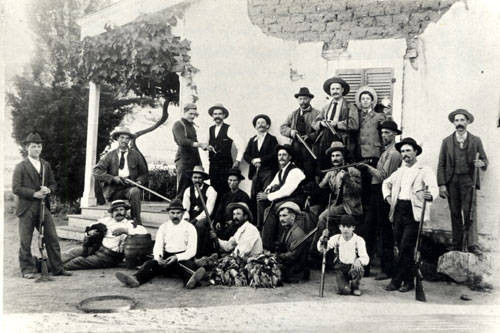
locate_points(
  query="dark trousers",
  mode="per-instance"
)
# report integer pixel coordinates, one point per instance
(151, 269)
(218, 176)
(182, 169)
(347, 279)
(304, 160)
(459, 200)
(405, 238)
(205, 245)
(133, 195)
(27, 224)
(259, 182)
(103, 258)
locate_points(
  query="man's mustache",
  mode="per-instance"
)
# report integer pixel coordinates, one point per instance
(175, 219)
(460, 126)
(119, 215)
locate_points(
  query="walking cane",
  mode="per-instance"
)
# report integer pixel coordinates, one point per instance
(472, 209)
(323, 262)
(419, 288)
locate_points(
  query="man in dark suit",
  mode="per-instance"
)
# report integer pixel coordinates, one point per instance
(27, 185)
(116, 167)
(261, 155)
(456, 167)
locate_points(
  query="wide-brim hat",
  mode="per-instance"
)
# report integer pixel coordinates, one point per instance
(369, 90)
(122, 130)
(264, 116)
(304, 91)
(348, 220)
(233, 205)
(199, 169)
(289, 149)
(290, 205)
(335, 79)
(218, 107)
(118, 203)
(408, 141)
(467, 114)
(390, 125)
(175, 204)
(33, 137)
(235, 172)
(336, 146)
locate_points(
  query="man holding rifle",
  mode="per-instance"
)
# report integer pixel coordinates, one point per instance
(32, 194)
(455, 175)
(116, 167)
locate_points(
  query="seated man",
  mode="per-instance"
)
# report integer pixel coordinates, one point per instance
(118, 165)
(285, 186)
(224, 226)
(174, 249)
(292, 255)
(345, 187)
(110, 253)
(194, 208)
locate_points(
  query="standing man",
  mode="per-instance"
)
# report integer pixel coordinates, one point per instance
(118, 165)
(222, 138)
(187, 155)
(32, 193)
(376, 223)
(299, 122)
(260, 154)
(456, 167)
(405, 191)
(341, 115)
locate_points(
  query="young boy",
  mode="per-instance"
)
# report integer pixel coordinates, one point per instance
(350, 254)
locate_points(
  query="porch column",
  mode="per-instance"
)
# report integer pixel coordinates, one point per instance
(89, 198)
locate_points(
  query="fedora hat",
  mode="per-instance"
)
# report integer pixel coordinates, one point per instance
(408, 141)
(290, 205)
(336, 146)
(304, 91)
(233, 205)
(122, 130)
(118, 203)
(218, 107)
(190, 106)
(33, 137)
(289, 149)
(390, 125)
(335, 79)
(467, 114)
(175, 204)
(347, 220)
(199, 169)
(235, 172)
(263, 116)
(369, 90)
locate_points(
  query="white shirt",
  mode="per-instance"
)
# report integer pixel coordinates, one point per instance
(237, 141)
(461, 138)
(178, 238)
(123, 172)
(116, 243)
(295, 176)
(260, 139)
(36, 163)
(348, 251)
(245, 242)
(210, 202)
(409, 174)
(330, 110)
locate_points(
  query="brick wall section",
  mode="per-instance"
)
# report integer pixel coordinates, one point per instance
(335, 22)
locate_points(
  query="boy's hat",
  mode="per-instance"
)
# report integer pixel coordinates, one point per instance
(347, 220)
(118, 203)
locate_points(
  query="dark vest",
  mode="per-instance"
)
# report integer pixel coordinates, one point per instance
(222, 145)
(460, 156)
(196, 201)
(299, 192)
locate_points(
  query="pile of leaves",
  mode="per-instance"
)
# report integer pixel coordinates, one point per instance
(229, 271)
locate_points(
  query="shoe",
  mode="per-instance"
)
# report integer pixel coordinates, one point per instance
(391, 287)
(356, 292)
(475, 249)
(195, 278)
(63, 273)
(382, 276)
(128, 280)
(28, 275)
(405, 288)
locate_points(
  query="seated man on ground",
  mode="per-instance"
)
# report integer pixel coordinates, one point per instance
(110, 252)
(350, 256)
(174, 249)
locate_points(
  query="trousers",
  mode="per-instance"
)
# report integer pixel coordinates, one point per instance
(347, 278)
(459, 200)
(151, 269)
(103, 258)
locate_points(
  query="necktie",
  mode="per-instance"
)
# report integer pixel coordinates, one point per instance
(332, 114)
(122, 160)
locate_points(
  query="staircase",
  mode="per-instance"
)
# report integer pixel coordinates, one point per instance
(153, 215)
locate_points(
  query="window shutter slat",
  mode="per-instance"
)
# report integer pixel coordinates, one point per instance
(354, 77)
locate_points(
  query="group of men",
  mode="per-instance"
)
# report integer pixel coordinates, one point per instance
(342, 161)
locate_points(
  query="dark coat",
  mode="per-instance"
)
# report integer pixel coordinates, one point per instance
(26, 181)
(227, 198)
(267, 154)
(108, 167)
(447, 159)
(294, 261)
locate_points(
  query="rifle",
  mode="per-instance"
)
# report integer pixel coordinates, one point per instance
(419, 288)
(267, 213)
(342, 167)
(256, 201)
(210, 224)
(306, 237)
(41, 238)
(323, 262)
(309, 150)
(126, 180)
(472, 209)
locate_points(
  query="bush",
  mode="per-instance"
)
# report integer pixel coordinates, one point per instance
(163, 181)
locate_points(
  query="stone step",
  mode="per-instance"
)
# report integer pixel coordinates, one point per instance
(151, 217)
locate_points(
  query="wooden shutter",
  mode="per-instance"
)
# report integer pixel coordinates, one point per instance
(354, 77)
(380, 79)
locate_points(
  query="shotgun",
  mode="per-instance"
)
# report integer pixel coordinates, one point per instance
(342, 167)
(472, 209)
(323, 262)
(41, 237)
(419, 288)
(210, 224)
(126, 180)
(309, 150)
(306, 237)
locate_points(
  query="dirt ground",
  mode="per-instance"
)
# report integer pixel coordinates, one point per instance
(165, 304)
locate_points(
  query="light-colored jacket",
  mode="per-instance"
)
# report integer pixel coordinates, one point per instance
(392, 186)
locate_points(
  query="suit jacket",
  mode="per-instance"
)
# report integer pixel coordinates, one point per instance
(348, 187)
(370, 141)
(447, 157)
(108, 166)
(26, 181)
(294, 261)
(267, 154)
(291, 123)
(392, 186)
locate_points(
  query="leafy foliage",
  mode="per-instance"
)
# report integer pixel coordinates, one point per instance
(163, 182)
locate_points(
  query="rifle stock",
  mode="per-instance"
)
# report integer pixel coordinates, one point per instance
(198, 189)
(323, 260)
(41, 238)
(419, 287)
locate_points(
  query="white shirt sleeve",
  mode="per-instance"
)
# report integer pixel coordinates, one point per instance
(138, 230)
(238, 142)
(186, 203)
(387, 185)
(159, 242)
(295, 176)
(363, 255)
(191, 245)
